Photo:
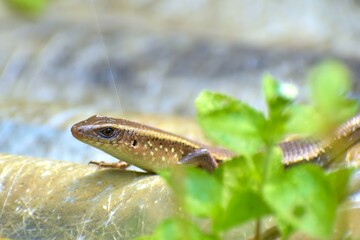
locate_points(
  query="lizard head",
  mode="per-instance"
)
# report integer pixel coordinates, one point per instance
(128, 141)
(113, 136)
(97, 129)
(120, 138)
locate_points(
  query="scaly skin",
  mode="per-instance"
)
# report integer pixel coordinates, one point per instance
(153, 149)
(146, 147)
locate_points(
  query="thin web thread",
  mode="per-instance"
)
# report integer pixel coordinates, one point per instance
(112, 78)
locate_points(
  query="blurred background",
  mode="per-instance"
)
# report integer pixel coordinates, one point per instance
(62, 61)
(145, 60)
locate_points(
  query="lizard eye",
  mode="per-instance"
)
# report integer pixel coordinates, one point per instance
(107, 132)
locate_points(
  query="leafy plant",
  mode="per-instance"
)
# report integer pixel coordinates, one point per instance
(255, 184)
(27, 7)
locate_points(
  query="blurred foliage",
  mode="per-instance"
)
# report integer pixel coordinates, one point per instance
(255, 184)
(329, 85)
(27, 7)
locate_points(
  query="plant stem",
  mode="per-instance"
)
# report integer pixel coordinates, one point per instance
(258, 229)
(268, 151)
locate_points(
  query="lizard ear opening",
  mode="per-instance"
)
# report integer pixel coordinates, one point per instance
(134, 143)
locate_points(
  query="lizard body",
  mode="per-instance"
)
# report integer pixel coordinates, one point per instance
(153, 149)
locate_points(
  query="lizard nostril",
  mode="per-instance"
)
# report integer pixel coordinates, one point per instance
(76, 130)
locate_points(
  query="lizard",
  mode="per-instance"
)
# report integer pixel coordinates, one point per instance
(152, 149)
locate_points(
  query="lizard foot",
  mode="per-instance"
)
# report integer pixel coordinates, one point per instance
(116, 165)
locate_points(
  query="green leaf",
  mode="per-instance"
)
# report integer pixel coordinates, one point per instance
(241, 180)
(304, 119)
(230, 122)
(304, 199)
(198, 191)
(179, 229)
(28, 7)
(339, 181)
(330, 82)
(279, 96)
(203, 193)
(239, 172)
(243, 205)
(272, 163)
(285, 228)
(246, 171)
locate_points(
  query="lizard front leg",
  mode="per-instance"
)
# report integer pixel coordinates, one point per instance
(201, 158)
(118, 165)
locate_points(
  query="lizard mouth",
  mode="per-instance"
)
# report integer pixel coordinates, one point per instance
(80, 130)
(76, 131)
